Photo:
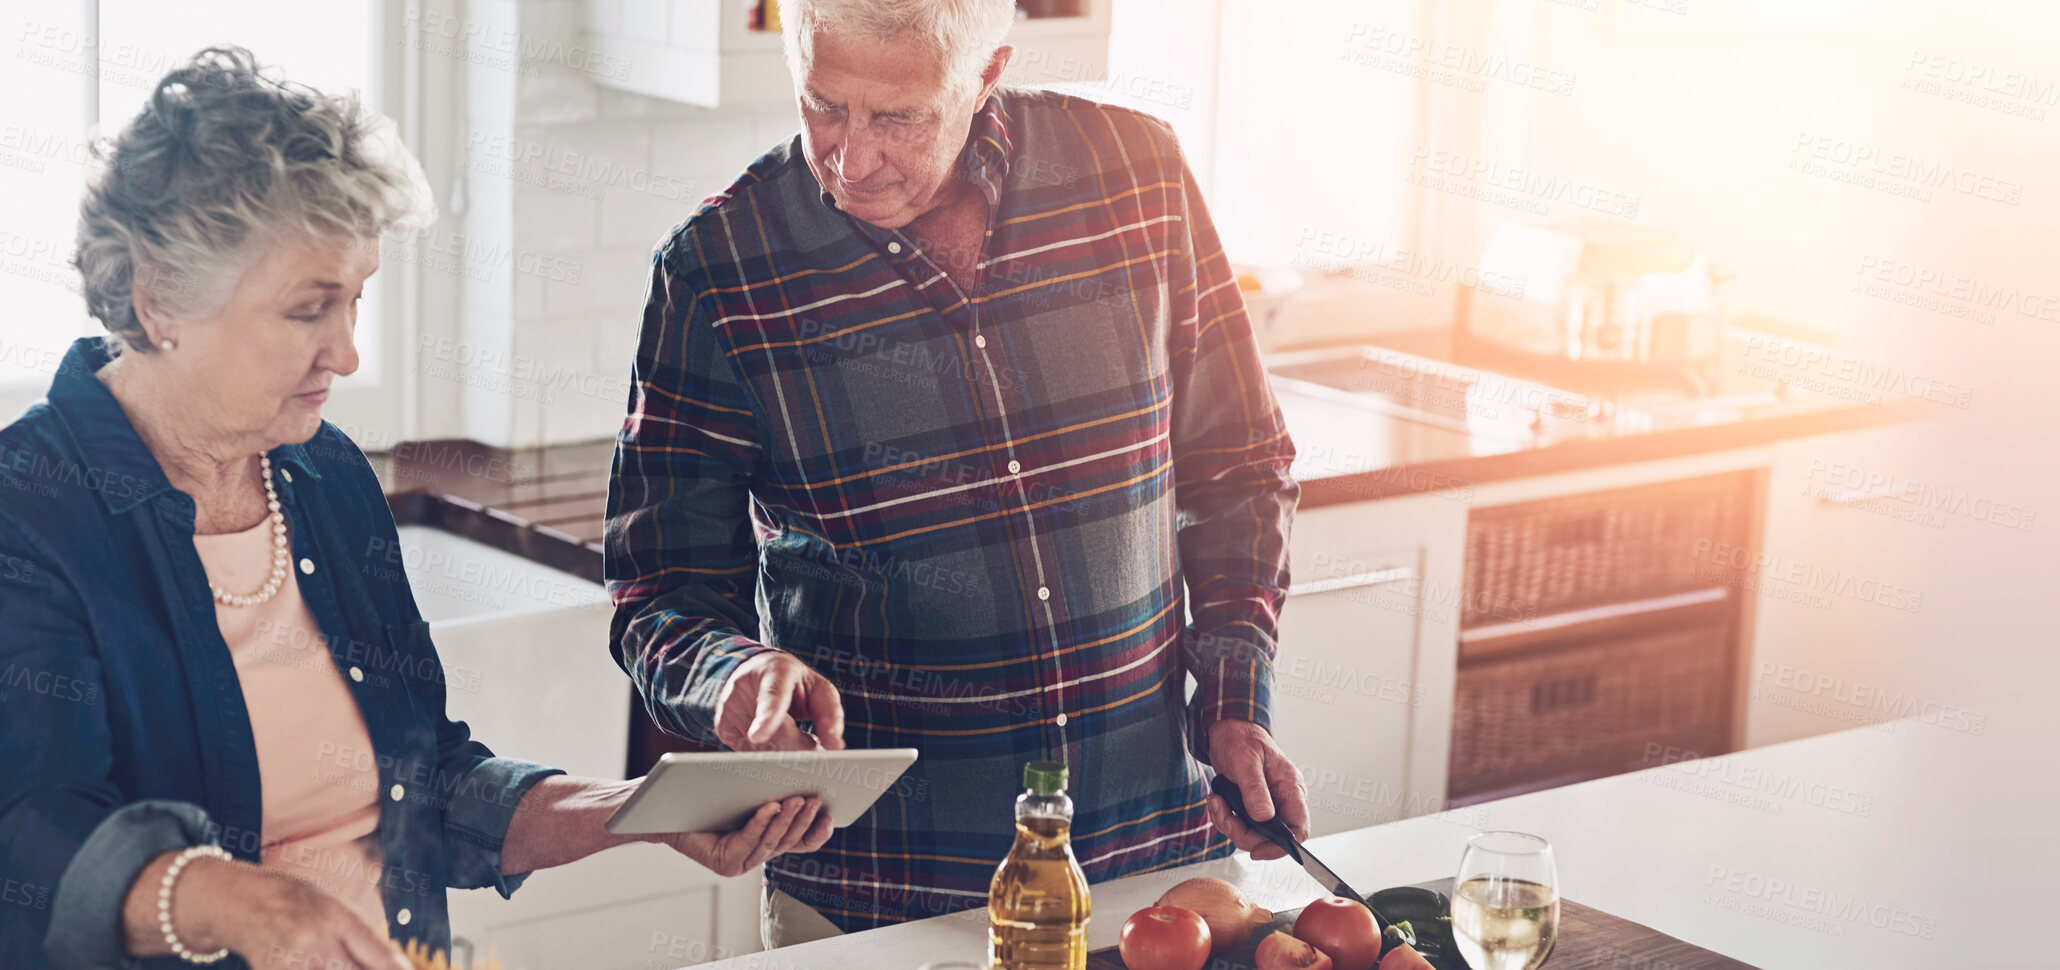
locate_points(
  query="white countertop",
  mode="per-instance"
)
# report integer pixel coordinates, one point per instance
(1909, 844)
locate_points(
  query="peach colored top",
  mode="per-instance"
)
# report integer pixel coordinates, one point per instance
(315, 764)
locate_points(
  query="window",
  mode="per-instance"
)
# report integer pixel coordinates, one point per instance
(60, 52)
(1313, 133)
(43, 158)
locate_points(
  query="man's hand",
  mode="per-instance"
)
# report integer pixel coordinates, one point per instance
(1243, 752)
(766, 698)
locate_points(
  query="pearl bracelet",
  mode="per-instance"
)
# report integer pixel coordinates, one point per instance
(164, 902)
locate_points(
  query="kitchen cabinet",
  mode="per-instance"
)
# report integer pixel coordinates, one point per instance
(704, 52)
(1370, 637)
(526, 665)
(1839, 578)
(1363, 680)
(542, 686)
(1810, 602)
(633, 907)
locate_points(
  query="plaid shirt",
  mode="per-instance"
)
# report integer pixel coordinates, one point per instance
(1007, 524)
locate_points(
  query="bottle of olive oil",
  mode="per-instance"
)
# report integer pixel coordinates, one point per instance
(1037, 907)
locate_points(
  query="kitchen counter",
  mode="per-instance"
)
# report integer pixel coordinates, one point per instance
(1883, 847)
(544, 504)
(1417, 412)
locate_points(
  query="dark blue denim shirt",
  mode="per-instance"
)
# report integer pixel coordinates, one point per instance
(123, 732)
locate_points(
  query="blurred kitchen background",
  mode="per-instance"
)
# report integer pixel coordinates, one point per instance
(1671, 376)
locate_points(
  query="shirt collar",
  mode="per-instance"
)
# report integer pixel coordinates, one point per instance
(986, 159)
(118, 464)
(990, 152)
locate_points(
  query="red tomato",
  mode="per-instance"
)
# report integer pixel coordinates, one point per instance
(1164, 938)
(1342, 928)
(1279, 951)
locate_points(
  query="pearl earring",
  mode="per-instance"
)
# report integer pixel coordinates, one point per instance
(168, 344)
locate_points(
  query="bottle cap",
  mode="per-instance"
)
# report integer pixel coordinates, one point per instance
(1044, 777)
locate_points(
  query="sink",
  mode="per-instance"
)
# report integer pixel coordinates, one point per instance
(459, 579)
(524, 650)
(1428, 392)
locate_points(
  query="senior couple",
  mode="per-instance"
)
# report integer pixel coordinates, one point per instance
(1114, 514)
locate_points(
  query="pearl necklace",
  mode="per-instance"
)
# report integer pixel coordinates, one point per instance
(280, 556)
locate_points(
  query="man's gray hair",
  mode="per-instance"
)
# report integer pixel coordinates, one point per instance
(222, 159)
(965, 32)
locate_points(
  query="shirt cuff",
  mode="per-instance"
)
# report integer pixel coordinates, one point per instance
(86, 915)
(1231, 683)
(693, 714)
(476, 822)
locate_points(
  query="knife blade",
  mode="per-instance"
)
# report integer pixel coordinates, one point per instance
(1277, 830)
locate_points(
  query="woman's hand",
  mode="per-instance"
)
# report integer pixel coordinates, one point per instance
(796, 824)
(273, 922)
(563, 819)
(283, 924)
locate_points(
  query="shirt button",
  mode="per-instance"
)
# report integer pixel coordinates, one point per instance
(1062, 720)
(403, 917)
(979, 341)
(397, 793)
(894, 247)
(1044, 592)
(357, 674)
(307, 567)
(286, 474)
(1015, 467)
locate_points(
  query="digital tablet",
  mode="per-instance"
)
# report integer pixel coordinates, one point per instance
(717, 791)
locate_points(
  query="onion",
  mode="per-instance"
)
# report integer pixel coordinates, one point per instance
(1231, 917)
(1404, 957)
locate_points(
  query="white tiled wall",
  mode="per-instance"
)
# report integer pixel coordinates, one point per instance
(576, 182)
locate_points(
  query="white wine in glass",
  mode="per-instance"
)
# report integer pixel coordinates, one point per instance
(1505, 904)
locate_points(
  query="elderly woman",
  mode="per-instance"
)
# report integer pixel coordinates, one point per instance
(188, 773)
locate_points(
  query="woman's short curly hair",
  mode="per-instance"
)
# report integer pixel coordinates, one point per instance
(222, 158)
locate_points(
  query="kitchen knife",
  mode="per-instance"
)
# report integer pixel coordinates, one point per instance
(1277, 830)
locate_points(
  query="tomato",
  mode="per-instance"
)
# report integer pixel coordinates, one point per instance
(1343, 929)
(1164, 938)
(1279, 951)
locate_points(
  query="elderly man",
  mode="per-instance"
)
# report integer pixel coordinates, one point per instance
(948, 431)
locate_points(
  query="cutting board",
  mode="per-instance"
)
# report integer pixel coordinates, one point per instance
(1589, 939)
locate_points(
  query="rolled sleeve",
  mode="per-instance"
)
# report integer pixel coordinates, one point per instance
(476, 822)
(682, 563)
(86, 913)
(1232, 456)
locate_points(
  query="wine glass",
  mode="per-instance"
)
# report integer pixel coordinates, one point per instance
(1505, 903)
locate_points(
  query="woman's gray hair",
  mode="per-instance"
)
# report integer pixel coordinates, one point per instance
(965, 32)
(222, 159)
